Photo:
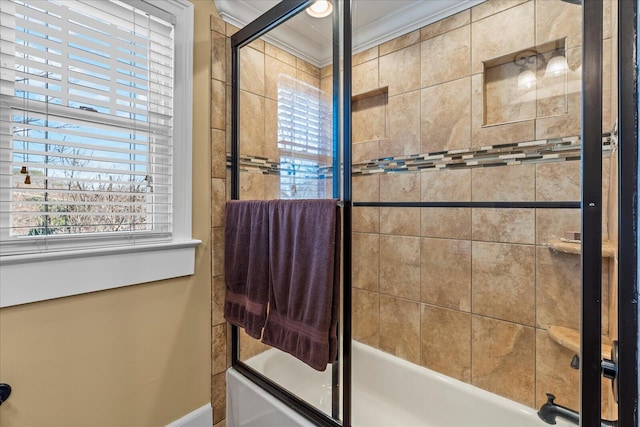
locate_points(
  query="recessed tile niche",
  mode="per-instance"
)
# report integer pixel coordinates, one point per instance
(524, 86)
(370, 115)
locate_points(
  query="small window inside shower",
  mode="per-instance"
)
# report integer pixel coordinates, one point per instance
(305, 150)
(299, 179)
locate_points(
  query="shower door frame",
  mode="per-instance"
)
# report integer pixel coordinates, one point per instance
(591, 215)
(275, 16)
(628, 210)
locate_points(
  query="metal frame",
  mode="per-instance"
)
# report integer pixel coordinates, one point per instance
(346, 211)
(591, 253)
(283, 11)
(627, 376)
(502, 205)
(335, 181)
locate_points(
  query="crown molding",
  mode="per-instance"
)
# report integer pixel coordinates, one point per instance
(298, 40)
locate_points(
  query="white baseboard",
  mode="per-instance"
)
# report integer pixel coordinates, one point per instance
(201, 417)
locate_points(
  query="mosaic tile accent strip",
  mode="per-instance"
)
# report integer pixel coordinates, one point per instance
(256, 164)
(539, 151)
(266, 166)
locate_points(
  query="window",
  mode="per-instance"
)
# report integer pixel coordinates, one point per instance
(303, 145)
(95, 116)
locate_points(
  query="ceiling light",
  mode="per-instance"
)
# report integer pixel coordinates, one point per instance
(320, 8)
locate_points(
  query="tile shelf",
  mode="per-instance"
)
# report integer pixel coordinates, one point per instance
(573, 247)
(570, 338)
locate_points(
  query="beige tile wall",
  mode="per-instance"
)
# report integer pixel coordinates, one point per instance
(219, 329)
(456, 275)
(469, 292)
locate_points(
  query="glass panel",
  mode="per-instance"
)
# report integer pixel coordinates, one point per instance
(482, 106)
(286, 146)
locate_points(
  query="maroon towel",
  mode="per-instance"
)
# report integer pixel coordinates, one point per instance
(305, 271)
(246, 264)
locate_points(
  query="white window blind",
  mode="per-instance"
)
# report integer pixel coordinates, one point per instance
(302, 145)
(86, 123)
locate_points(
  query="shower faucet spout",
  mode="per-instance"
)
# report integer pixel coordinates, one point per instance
(550, 410)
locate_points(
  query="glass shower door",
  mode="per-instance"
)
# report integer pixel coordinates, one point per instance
(285, 145)
(473, 253)
(482, 150)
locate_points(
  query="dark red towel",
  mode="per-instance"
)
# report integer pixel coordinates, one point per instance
(246, 264)
(304, 264)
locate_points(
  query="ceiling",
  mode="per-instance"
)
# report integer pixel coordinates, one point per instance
(374, 22)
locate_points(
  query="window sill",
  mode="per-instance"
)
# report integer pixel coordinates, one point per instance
(39, 277)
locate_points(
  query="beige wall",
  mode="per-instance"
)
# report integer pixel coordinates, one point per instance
(136, 356)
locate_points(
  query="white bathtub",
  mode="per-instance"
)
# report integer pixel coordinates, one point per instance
(387, 392)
